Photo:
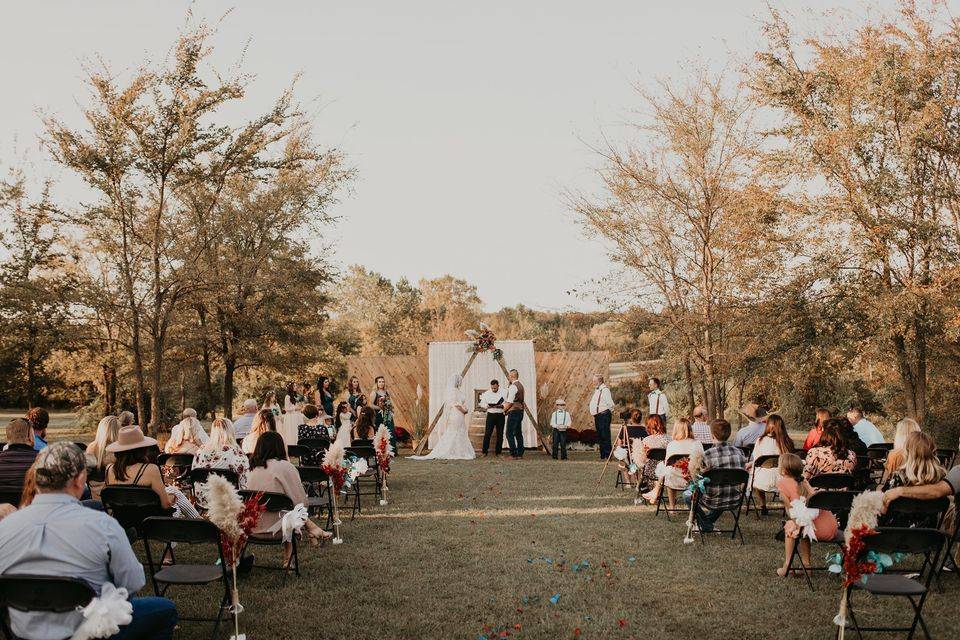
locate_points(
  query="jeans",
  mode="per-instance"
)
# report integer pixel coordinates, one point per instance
(494, 423)
(602, 422)
(706, 518)
(560, 444)
(515, 433)
(153, 619)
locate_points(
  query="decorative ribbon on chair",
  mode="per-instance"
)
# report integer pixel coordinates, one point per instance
(804, 517)
(105, 614)
(290, 522)
(620, 453)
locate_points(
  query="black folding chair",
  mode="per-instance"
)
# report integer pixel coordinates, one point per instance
(836, 502)
(132, 505)
(763, 462)
(662, 502)
(658, 454)
(946, 457)
(297, 451)
(834, 482)
(319, 499)
(362, 442)
(913, 512)
(877, 456)
(922, 541)
(181, 463)
(372, 474)
(274, 503)
(949, 562)
(10, 497)
(81, 445)
(31, 593)
(200, 476)
(317, 448)
(747, 451)
(193, 532)
(725, 478)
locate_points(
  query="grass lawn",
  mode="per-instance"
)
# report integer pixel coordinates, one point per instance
(464, 549)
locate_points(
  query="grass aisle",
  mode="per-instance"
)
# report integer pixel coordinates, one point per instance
(467, 549)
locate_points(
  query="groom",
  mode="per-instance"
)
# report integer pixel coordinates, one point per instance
(513, 407)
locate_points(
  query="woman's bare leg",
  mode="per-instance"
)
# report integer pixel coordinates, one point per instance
(788, 544)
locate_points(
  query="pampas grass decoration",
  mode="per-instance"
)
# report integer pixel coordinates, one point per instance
(636, 450)
(334, 455)
(381, 439)
(864, 511)
(223, 506)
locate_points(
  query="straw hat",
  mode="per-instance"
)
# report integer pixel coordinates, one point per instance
(130, 438)
(754, 411)
(561, 402)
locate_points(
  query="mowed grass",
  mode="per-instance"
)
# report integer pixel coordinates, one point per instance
(468, 549)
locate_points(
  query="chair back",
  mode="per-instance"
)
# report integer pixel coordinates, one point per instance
(636, 431)
(875, 453)
(10, 497)
(272, 501)
(44, 593)
(362, 442)
(677, 457)
(200, 475)
(946, 456)
(911, 540)
(659, 454)
(836, 502)
(314, 444)
(180, 530)
(747, 450)
(880, 446)
(707, 445)
(81, 445)
(312, 474)
(833, 481)
(915, 512)
(297, 451)
(362, 452)
(767, 462)
(131, 505)
(175, 460)
(725, 477)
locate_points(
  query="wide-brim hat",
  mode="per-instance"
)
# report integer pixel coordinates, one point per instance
(130, 438)
(751, 408)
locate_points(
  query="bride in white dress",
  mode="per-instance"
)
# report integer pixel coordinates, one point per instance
(454, 442)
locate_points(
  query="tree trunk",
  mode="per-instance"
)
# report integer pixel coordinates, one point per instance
(691, 399)
(156, 383)
(229, 368)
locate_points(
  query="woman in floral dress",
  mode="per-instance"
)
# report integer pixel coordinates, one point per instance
(222, 452)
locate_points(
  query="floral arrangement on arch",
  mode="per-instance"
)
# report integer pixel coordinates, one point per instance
(483, 340)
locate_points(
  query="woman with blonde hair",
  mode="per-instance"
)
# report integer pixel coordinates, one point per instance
(895, 458)
(222, 452)
(793, 486)
(188, 436)
(263, 422)
(920, 464)
(775, 441)
(684, 444)
(97, 455)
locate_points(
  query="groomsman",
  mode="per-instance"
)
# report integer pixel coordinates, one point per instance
(492, 400)
(513, 407)
(601, 408)
(657, 401)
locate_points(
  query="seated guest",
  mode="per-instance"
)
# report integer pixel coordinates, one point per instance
(813, 436)
(851, 438)
(895, 457)
(683, 444)
(701, 428)
(720, 456)
(364, 428)
(17, 457)
(635, 428)
(831, 454)
(866, 430)
(244, 423)
(757, 417)
(56, 536)
(949, 485)
(920, 463)
(271, 471)
(127, 419)
(775, 441)
(222, 452)
(657, 439)
(265, 421)
(312, 429)
(188, 436)
(97, 455)
(793, 486)
(39, 419)
(135, 464)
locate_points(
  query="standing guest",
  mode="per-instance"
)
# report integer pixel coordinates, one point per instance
(775, 441)
(222, 452)
(831, 454)
(793, 486)
(97, 455)
(324, 395)
(56, 536)
(749, 434)
(867, 431)
(657, 400)
(513, 408)
(813, 436)
(39, 419)
(270, 404)
(244, 423)
(560, 421)
(895, 458)
(126, 419)
(264, 421)
(270, 471)
(492, 402)
(601, 408)
(343, 418)
(720, 456)
(656, 439)
(293, 417)
(365, 426)
(17, 457)
(380, 389)
(353, 393)
(700, 427)
(684, 444)
(312, 429)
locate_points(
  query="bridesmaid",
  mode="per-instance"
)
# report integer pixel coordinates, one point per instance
(324, 395)
(353, 393)
(293, 416)
(270, 404)
(380, 391)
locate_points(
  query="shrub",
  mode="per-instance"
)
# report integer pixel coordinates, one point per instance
(589, 436)
(573, 435)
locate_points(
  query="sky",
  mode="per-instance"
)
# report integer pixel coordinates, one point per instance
(466, 122)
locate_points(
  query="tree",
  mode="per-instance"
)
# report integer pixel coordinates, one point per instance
(451, 305)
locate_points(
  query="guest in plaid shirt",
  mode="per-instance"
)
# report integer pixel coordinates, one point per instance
(720, 456)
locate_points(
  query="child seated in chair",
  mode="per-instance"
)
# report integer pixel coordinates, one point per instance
(792, 486)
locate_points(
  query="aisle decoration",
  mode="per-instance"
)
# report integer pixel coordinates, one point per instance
(484, 340)
(332, 465)
(105, 614)
(236, 519)
(697, 485)
(804, 517)
(852, 562)
(381, 446)
(290, 522)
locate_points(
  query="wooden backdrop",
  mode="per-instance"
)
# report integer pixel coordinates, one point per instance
(567, 374)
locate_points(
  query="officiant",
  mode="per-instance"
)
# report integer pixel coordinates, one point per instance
(492, 401)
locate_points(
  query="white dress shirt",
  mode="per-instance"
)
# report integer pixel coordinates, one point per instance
(659, 406)
(560, 420)
(601, 401)
(490, 397)
(512, 392)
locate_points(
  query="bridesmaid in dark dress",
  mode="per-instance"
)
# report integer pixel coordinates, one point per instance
(353, 393)
(325, 395)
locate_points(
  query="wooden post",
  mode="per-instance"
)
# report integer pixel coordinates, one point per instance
(433, 423)
(526, 409)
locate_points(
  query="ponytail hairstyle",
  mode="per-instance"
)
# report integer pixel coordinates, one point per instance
(791, 466)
